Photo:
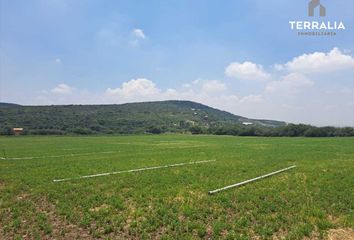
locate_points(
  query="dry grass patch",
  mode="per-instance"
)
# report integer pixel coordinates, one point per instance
(61, 227)
(341, 234)
(100, 208)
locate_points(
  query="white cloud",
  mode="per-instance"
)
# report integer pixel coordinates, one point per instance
(142, 89)
(289, 84)
(292, 98)
(139, 33)
(320, 62)
(134, 88)
(213, 86)
(288, 95)
(252, 99)
(58, 60)
(203, 91)
(278, 67)
(62, 89)
(247, 71)
(347, 90)
(196, 81)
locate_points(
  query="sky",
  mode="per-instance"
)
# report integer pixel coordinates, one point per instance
(239, 56)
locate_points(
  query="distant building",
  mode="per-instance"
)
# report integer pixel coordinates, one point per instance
(247, 123)
(17, 131)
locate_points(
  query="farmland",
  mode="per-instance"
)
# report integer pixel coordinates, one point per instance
(311, 201)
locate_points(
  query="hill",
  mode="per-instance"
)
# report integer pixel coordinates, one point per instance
(5, 105)
(154, 117)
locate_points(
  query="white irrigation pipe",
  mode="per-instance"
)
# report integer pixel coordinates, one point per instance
(133, 170)
(57, 156)
(251, 180)
(75, 154)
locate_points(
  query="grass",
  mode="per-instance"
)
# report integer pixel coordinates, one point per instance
(173, 203)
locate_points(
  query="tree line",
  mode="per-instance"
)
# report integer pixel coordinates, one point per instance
(290, 130)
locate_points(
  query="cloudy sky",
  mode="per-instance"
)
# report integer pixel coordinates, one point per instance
(240, 56)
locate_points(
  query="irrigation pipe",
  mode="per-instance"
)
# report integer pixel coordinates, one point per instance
(251, 180)
(133, 170)
(57, 156)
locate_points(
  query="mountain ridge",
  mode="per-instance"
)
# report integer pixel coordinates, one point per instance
(137, 117)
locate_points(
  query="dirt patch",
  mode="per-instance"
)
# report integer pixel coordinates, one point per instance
(100, 208)
(2, 234)
(224, 233)
(23, 196)
(341, 234)
(58, 227)
(333, 234)
(61, 227)
(197, 194)
(181, 218)
(159, 233)
(315, 235)
(254, 236)
(334, 219)
(179, 199)
(280, 235)
(209, 231)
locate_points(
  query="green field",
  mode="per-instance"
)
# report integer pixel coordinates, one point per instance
(310, 201)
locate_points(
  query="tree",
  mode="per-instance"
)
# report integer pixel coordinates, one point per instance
(196, 130)
(315, 132)
(154, 130)
(6, 131)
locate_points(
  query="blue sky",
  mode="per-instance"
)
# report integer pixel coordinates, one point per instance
(240, 56)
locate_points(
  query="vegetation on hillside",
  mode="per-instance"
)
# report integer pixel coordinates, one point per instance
(148, 117)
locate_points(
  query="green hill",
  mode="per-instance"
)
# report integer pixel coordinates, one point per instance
(154, 117)
(5, 105)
